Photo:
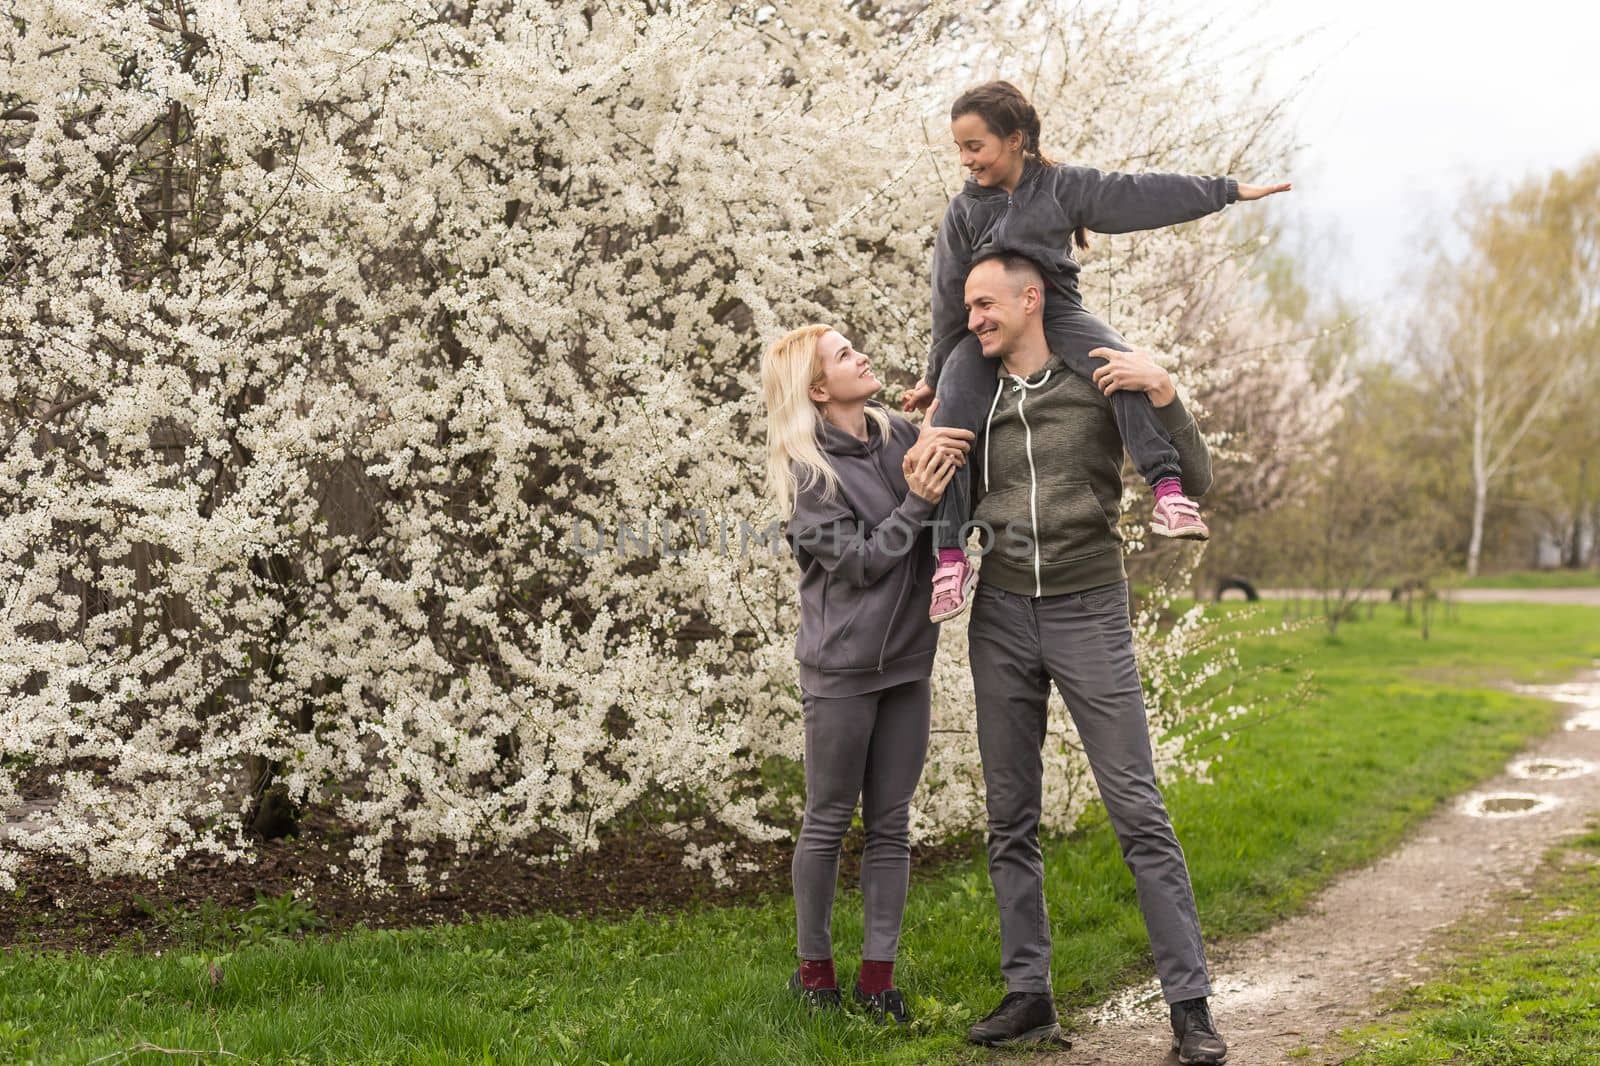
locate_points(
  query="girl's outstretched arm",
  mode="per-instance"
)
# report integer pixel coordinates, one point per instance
(1257, 192)
(1114, 202)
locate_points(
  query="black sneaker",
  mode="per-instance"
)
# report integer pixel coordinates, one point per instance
(886, 1006)
(1021, 1018)
(1194, 1037)
(816, 998)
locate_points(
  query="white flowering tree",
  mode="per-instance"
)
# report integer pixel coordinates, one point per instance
(380, 419)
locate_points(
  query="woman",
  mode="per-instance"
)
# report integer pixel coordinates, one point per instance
(856, 484)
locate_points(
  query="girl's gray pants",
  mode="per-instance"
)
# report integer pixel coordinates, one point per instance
(870, 746)
(1083, 642)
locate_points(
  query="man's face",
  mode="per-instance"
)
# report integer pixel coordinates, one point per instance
(846, 373)
(998, 305)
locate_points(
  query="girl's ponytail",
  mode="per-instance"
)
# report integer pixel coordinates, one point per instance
(1032, 140)
(1005, 110)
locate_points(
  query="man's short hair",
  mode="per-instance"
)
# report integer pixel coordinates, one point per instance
(1018, 267)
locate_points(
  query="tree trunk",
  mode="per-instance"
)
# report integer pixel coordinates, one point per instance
(1480, 467)
(1574, 559)
(1480, 493)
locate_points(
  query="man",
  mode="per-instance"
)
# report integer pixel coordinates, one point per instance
(1053, 606)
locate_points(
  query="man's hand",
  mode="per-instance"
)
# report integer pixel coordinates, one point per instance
(1133, 371)
(1257, 192)
(940, 440)
(916, 397)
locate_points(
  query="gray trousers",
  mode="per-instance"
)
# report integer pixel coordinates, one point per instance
(966, 389)
(1083, 642)
(870, 746)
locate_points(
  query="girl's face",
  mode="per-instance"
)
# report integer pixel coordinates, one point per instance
(988, 157)
(847, 375)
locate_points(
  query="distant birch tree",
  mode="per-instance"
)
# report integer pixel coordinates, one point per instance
(1510, 324)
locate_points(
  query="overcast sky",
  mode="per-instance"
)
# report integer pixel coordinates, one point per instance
(1414, 102)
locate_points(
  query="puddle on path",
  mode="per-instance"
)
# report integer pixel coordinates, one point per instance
(1228, 992)
(1506, 804)
(1582, 694)
(1127, 1004)
(1549, 768)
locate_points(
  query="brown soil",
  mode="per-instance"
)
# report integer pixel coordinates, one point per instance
(1283, 997)
(57, 905)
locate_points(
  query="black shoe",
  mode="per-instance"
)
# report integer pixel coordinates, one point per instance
(886, 1006)
(1021, 1018)
(816, 998)
(1194, 1037)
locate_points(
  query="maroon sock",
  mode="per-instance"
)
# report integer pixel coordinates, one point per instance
(1168, 486)
(951, 555)
(817, 973)
(876, 976)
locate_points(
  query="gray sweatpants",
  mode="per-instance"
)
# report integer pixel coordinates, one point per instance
(1083, 642)
(871, 746)
(966, 389)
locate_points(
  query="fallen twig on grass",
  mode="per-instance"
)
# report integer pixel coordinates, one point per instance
(145, 1046)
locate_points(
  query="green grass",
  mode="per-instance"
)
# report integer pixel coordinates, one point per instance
(1392, 726)
(1527, 1000)
(1529, 579)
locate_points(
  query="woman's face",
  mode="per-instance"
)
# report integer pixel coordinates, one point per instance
(847, 375)
(988, 157)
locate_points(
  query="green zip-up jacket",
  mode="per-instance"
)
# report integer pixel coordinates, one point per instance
(1050, 486)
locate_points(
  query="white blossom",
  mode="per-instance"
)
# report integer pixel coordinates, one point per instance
(321, 325)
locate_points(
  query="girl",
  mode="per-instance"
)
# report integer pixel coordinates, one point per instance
(866, 645)
(1017, 200)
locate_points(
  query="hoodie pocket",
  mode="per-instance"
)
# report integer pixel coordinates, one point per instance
(811, 642)
(1073, 522)
(1007, 528)
(846, 628)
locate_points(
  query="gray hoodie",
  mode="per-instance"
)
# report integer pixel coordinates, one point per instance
(866, 567)
(1037, 219)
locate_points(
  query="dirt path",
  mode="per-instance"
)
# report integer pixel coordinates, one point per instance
(1302, 981)
(1585, 597)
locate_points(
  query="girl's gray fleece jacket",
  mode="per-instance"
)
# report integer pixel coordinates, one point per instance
(1037, 219)
(866, 567)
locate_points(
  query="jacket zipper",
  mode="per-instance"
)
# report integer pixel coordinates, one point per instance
(1005, 216)
(1000, 223)
(894, 616)
(1033, 489)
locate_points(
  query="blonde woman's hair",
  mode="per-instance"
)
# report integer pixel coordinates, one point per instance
(789, 368)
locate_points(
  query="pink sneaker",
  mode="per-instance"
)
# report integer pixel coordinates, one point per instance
(952, 589)
(1178, 516)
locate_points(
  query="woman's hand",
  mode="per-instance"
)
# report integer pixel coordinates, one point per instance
(916, 397)
(1133, 371)
(930, 473)
(1257, 192)
(941, 440)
